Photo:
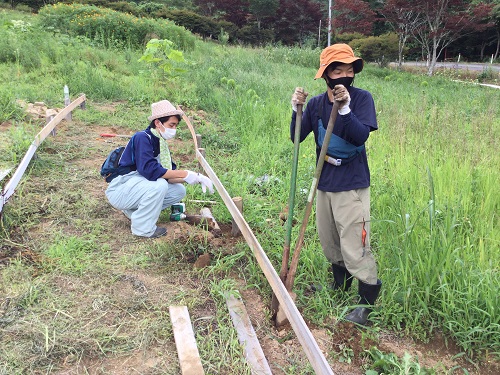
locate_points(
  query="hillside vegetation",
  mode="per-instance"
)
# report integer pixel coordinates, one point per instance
(434, 165)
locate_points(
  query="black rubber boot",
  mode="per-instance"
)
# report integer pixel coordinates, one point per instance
(367, 296)
(342, 279)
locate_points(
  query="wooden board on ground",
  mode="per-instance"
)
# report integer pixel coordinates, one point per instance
(185, 342)
(247, 337)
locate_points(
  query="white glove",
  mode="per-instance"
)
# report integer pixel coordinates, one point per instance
(192, 178)
(206, 183)
(196, 178)
(299, 97)
(341, 95)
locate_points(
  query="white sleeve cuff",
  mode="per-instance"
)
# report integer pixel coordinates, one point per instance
(344, 110)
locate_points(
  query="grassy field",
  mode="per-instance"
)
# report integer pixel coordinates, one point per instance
(435, 199)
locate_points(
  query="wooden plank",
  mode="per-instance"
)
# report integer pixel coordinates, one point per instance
(304, 335)
(185, 342)
(247, 337)
(18, 174)
(299, 326)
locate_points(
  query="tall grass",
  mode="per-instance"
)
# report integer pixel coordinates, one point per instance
(434, 165)
(434, 173)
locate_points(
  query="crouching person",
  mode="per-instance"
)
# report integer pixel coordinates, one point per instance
(153, 182)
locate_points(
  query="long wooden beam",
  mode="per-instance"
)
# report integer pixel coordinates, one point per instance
(304, 335)
(299, 326)
(10, 187)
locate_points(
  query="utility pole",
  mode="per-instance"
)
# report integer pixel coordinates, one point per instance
(319, 34)
(329, 21)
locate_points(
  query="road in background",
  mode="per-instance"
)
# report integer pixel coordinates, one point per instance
(455, 65)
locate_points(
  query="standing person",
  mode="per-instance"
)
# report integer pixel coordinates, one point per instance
(154, 182)
(343, 196)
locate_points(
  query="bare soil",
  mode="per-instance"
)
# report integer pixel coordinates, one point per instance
(136, 292)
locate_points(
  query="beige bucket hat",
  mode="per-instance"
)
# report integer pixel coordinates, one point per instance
(163, 108)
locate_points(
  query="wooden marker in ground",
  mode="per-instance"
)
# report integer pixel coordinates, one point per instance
(235, 229)
(185, 342)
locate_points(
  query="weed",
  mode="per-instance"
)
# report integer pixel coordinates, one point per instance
(384, 363)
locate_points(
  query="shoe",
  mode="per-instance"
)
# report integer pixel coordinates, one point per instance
(159, 232)
(359, 315)
(342, 280)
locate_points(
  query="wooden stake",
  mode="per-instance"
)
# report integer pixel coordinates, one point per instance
(235, 230)
(185, 342)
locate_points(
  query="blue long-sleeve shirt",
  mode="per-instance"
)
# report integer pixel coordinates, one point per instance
(355, 127)
(146, 149)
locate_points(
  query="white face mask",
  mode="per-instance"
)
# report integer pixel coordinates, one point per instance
(168, 133)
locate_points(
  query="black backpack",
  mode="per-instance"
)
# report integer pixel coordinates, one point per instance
(111, 168)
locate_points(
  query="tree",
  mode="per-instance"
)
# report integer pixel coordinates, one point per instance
(445, 22)
(235, 11)
(351, 16)
(296, 20)
(263, 8)
(404, 19)
(495, 13)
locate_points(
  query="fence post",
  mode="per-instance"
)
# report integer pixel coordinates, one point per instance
(67, 101)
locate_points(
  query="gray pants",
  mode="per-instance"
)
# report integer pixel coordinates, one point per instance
(142, 200)
(341, 219)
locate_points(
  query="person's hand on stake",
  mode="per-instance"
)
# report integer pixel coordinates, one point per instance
(299, 97)
(341, 95)
(193, 178)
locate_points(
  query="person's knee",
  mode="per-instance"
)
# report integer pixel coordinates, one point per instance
(177, 191)
(161, 186)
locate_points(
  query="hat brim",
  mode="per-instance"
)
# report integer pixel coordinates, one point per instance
(357, 64)
(166, 114)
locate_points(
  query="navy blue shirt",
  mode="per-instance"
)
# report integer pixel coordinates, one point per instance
(355, 127)
(146, 151)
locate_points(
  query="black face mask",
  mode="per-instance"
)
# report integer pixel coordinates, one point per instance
(345, 81)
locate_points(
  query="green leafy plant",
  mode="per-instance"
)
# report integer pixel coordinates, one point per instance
(163, 58)
(391, 364)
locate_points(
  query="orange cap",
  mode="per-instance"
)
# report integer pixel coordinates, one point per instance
(341, 53)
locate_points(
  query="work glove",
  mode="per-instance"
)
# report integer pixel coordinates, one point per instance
(299, 97)
(193, 178)
(341, 95)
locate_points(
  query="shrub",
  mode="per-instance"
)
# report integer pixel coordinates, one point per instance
(9, 109)
(24, 44)
(201, 25)
(380, 49)
(250, 34)
(112, 28)
(348, 37)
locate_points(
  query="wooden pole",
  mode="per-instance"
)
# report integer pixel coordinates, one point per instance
(67, 101)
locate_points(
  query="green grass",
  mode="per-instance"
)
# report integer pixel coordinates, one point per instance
(434, 165)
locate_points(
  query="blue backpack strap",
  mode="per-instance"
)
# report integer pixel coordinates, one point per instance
(338, 148)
